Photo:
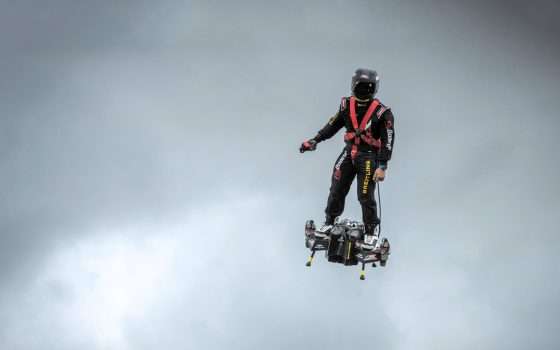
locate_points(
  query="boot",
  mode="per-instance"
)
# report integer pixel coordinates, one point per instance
(326, 228)
(371, 235)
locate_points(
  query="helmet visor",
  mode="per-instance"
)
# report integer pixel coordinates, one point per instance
(364, 89)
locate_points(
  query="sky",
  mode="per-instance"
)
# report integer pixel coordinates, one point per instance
(152, 193)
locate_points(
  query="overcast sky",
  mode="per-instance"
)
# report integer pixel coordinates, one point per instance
(152, 194)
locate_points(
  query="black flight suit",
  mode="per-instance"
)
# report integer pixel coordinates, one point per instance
(367, 159)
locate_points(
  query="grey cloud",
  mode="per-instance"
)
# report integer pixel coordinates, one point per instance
(177, 124)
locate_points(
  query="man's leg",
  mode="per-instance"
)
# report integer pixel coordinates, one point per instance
(342, 177)
(365, 164)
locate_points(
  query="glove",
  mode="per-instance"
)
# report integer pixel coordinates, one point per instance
(309, 145)
(379, 175)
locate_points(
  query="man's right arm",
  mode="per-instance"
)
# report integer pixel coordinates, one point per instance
(333, 126)
(335, 123)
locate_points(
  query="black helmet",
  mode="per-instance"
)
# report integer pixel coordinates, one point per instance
(365, 83)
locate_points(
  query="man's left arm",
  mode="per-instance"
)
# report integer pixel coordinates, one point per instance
(387, 138)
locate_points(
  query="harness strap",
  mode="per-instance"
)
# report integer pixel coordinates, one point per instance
(359, 132)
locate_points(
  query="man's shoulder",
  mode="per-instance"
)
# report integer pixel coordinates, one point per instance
(382, 108)
(344, 103)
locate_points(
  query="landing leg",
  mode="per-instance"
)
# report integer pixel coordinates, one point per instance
(363, 272)
(310, 260)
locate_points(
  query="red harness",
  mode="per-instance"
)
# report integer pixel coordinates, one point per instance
(360, 133)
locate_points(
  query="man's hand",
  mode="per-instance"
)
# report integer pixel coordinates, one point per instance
(309, 145)
(379, 175)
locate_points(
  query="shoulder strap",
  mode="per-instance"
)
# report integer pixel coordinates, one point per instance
(353, 116)
(369, 113)
(367, 117)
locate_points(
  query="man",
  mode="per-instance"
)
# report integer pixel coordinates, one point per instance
(369, 142)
